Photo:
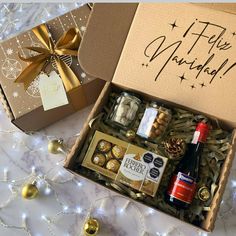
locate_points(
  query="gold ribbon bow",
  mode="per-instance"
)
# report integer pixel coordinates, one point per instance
(68, 44)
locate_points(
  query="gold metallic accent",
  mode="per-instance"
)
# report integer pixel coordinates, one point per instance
(91, 227)
(67, 44)
(204, 194)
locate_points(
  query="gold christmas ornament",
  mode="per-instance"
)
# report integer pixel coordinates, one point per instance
(91, 227)
(130, 135)
(204, 194)
(30, 191)
(56, 146)
(175, 147)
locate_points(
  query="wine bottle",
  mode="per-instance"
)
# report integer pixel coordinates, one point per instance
(182, 187)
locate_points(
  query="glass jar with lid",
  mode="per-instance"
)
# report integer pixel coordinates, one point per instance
(124, 110)
(154, 122)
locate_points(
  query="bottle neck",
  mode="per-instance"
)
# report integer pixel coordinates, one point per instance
(201, 133)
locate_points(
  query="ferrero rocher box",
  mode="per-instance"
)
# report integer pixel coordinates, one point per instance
(182, 55)
(24, 105)
(125, 163)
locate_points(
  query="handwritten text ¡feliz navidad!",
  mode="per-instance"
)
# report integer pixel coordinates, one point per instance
(210, 34)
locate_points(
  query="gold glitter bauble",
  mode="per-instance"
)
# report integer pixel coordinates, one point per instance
(29, 191)
(91, 227)
(130, 135)
(55, 146)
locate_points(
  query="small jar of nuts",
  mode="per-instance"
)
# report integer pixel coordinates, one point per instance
(154, 122)
(124, 111)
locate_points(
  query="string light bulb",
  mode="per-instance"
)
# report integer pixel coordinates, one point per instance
(79, 210)
(5, 174)
(47, 191)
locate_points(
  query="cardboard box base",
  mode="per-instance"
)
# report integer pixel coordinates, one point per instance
(73, 161)
(39, 118)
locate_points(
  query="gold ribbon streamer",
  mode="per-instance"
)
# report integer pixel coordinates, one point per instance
(67, 44)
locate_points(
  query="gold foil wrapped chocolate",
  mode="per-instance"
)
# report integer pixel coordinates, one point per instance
(109, 156)
(104, 146)
(99, 159)
(118, 152)
(113, 165)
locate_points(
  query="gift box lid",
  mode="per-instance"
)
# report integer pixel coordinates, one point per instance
(18, 61)
(183, 53)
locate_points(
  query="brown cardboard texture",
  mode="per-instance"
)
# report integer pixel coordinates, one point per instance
(191, 63)
(25, 107)
(152, 36)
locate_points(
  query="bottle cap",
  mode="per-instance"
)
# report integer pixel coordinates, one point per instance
(203, 128)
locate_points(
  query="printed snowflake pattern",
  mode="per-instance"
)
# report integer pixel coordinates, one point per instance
(83, 75)
(15, 94)
(9, 51)
(33, 89)
(83, 28)
(11, 68)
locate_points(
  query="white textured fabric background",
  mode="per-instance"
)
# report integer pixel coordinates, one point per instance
(61, 209)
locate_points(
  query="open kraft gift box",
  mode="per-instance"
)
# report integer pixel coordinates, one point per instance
(147, 48)
(24, 106)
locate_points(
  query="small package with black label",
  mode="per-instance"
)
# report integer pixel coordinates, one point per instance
(126, 163)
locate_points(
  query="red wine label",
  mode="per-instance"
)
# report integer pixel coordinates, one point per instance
(182, 187)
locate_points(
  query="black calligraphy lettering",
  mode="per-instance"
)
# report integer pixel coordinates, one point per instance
(213, 40)
(204, 65)
(231, 67)
(218, 70)
(190, 27)
(225, 46)
(199, 36)
(157, 49)
(157, 53)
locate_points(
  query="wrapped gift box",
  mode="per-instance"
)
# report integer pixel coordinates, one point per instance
(179, 54)
(24, 107)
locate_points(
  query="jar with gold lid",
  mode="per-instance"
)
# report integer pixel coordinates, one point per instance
(154, 122)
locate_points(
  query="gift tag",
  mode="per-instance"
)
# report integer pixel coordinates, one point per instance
(52, 91)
